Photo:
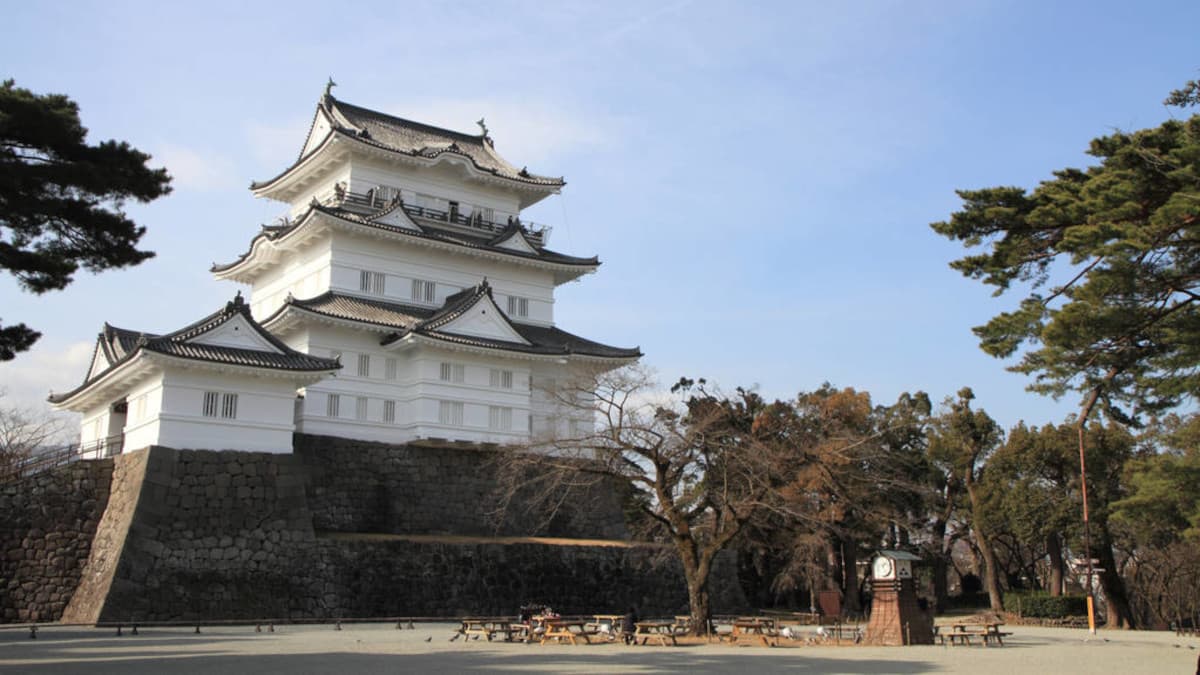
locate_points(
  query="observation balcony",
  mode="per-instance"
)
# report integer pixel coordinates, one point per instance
(452, 217)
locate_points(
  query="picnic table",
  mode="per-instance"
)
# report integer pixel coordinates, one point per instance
(488, 627)
(961, 632)
(567, 629)
(606, 625)
(759, 628)
(662, 631)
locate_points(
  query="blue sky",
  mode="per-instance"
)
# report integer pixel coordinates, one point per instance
(758, 178)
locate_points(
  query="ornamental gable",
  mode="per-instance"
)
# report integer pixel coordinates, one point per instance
(236, 332)
(483, 319)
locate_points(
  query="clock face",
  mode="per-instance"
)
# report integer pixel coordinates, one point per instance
(883, 568)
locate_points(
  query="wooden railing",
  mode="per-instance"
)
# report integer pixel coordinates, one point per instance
(372, 200)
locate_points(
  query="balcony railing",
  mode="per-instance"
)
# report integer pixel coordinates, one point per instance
(42, 460)
(374, 201)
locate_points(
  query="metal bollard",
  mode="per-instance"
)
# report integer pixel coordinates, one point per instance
(118, 630)
(33, 632)
(134, 631)
(197, 629)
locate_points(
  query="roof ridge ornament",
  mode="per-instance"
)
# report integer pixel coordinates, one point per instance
(482, 126)
(329, 90)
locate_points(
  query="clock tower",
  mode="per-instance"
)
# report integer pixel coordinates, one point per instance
(896, 617)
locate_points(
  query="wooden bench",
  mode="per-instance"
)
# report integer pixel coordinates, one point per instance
(961, 634)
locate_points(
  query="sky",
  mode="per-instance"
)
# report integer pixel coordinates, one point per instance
(758, 178)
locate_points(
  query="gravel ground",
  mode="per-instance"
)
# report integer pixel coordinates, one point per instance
(376, 648)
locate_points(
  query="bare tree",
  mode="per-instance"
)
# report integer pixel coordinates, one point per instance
(24, 430)
(699, 464)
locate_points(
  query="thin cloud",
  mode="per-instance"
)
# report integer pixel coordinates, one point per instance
(195, 170)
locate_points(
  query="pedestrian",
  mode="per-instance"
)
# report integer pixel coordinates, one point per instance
(629, 626)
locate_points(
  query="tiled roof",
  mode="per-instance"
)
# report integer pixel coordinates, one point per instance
(482, 243)
(424, 321)
(122, 345)
(417, 140)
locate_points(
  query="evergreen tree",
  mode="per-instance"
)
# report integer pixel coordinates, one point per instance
(1111, 259)
(61, 199)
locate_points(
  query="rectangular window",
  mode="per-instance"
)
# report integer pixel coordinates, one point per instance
(423, 291)
(389, 371)
(364, 365)
(450, 413)
(518, 306)
(389, 412)
(499, 419)
(210, 404)
(501, 379)
(333, 405)
(229, 406)
(453, 372)
(360, 408)
(371, 282)
(485, 213)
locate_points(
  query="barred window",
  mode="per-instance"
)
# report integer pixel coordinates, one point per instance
(389, 412)
(450, 413)
(364, 365)
(229, 406)
(371, 282)
(210, 404)
(453, 372)
(333, 405)
(423, 291)
(499, 419)
(389, 371)
(360, 408)
(518, 306)
(501, 379)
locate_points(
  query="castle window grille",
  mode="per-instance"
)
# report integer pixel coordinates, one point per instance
(211, 399)
(518, 306)
(364, 365)
(389, 371)
(423, 291)
(360, 408)
(499, 418)
(450, 413)
(229, 406)
(453, 372)
(389, 412)
(501, 379)
(372, 282)
(333, 405)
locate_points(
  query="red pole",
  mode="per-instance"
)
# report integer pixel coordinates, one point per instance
(1087, 535)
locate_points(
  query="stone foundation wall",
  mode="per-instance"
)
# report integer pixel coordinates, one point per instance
(47, 523)
(193, 534)
(360, 486)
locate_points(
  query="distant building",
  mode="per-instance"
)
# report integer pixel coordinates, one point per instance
(403, 258)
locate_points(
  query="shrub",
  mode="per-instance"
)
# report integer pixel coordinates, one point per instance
(1040, 604)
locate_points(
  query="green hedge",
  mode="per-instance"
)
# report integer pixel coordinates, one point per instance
(1040, 604)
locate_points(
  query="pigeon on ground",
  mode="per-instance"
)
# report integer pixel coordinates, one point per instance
(430, 638)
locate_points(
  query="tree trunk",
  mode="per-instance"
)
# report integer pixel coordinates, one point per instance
(941, 567)
(1120, 613)
(698, 604)
(991, 573)
(851, 603)
(1057, 566)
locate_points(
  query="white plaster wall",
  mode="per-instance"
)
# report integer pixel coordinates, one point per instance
(401, 263)
(304, 274)
(265, 412)
(141, 422)
(416, 391)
